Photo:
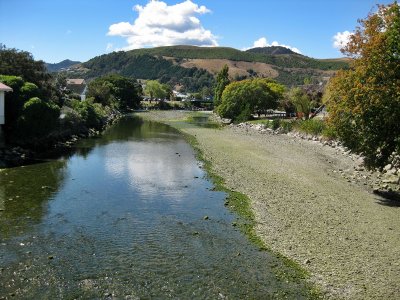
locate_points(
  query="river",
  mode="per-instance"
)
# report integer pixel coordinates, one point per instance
(130, 215)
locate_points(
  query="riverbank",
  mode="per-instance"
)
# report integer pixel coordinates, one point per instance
(56, 143)
(306, 209)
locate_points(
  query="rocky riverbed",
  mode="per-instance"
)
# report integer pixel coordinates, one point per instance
(314, 203)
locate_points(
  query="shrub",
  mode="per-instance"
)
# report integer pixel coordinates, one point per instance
(92, 114)
(311, 126)
(38, 119)
(276, 123)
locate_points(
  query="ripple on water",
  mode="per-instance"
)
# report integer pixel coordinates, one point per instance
(125, 217)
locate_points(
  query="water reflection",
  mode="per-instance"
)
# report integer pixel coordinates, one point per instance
(24, 192)
(124, 218)
(152, 167)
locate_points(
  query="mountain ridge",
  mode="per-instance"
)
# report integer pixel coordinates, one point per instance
(194, 66)
(56, 67)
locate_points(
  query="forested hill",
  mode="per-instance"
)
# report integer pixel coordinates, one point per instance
(194, 67)
(272, 50)
(61, 65)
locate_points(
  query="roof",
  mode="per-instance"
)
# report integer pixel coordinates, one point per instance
(5, 88)
(76, 81)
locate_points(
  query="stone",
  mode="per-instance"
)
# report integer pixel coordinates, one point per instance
(387, 167)
(392, 179)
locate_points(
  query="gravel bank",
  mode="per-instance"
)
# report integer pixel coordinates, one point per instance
(347, 237)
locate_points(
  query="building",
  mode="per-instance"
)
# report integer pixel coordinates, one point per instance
(77, 86)
(3, 88)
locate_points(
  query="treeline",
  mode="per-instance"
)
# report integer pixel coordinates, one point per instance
(162, 63)
(41, 110)
(284, 61)
(149, 67)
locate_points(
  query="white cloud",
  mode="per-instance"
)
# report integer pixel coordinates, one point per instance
(262, 42)
(341, 39)
(159, 24)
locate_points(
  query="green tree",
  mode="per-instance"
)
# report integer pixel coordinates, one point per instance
(301, 101)
(92, 116)
(241, 99)
(222, 82)
(154, 89)
(21, 63)
(364, 102)
(14, 101)
(38, 118)
(115, 91)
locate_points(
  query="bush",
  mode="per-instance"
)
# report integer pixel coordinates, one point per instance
(38, 119)
(287, 126)
(276, 123)
(93, 115)
(311, 126)
(29, 90)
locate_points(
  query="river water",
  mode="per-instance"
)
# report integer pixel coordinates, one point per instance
(129, 215)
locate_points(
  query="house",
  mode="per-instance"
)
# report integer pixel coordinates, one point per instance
(3, 88)
(77, 86)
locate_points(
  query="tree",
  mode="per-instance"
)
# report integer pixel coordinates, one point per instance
(241, 99)
(154, 89)
(14, 101)
(364, 102)
(30, 125)
(222, 82)
(21, 63)
(115, 91)
(301, 101)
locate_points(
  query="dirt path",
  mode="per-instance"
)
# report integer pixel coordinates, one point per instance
(339, 231)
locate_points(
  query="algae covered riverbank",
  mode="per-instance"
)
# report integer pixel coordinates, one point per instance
(340, 232)
(129, 215)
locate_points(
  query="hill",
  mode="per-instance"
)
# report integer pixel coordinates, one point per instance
(272, 50)
(193, 67)
(65, 64)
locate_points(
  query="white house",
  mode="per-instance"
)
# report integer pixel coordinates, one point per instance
(3, 88)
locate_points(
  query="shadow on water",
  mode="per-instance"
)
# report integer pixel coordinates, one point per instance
(202, 120)
(129, 215)
(24, 192)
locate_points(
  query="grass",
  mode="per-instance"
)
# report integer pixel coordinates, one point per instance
(314, 127)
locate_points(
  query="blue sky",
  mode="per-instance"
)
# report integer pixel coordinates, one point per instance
(53, 30)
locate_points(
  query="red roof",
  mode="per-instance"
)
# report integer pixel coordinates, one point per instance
(5, 88)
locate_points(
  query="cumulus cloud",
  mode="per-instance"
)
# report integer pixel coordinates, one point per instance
(262, 42)
(341, 39)
(160, 24)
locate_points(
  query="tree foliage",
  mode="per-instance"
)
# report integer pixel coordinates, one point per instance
(38, 118)
(364, 102)
(301, 101)
(115, 91)
(154, 89)
(222, 82)
(21, 63)
(15, 100)
(149, 67)
(241, 99)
